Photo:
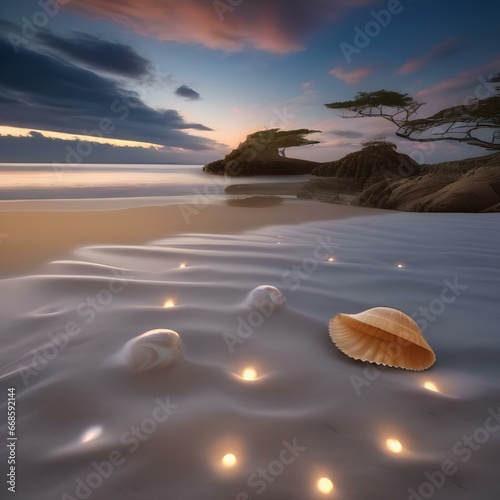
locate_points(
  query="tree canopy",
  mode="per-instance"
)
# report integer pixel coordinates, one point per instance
(476, 123)
(271, 143)
(379, 103)
(459, 123)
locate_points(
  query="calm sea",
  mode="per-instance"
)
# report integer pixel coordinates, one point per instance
(51, 181)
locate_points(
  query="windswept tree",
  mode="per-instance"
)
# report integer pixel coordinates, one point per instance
(271, 143)
(263, 153)
(476, 123)
(392, 106)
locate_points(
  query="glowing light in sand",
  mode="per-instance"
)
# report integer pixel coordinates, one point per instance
(228, 460)
(249, 374)
(91, 434)
(394, 446)
(183, 265)
(324, 485)
(169, 303)
(431, 386)
(331, 259)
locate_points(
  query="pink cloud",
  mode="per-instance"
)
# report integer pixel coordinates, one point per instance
(279, 26)
(439, 51)
(468, 79)
(351, 76)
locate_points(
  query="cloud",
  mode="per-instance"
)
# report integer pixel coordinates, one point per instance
(44, 92)
(278, 26)
(438, 52)
(467, 80)
(351, 76)
(36, 148)
(187, 93)
(100, 54)
(349, 134)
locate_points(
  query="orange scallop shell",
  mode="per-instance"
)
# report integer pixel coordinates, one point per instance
(384, 336)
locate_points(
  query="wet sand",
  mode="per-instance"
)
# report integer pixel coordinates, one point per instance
(257, 402)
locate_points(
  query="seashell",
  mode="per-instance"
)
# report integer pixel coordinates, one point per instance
(153, 350)
(384, 336)
(265, 294)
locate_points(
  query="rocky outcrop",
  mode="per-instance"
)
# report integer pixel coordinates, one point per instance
(463, 186)
(263, 153)
(280, 166)
(373, 164)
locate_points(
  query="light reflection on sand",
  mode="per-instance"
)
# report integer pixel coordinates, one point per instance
(304, 394)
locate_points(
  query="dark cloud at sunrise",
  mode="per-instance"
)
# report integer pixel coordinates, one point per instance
(48, 93)
(112, 57)
(187, 93)
(37, 148)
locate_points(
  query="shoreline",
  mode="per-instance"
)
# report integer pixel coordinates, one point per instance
(38, 232)
(68, 325)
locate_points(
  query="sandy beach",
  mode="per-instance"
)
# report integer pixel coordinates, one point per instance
(249, 250)
(258, 402)
(38, 231)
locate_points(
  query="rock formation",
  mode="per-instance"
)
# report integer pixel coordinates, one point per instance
(376, 162)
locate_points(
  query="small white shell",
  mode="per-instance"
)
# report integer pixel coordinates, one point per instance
(153, 350)
(265, 296)
(382, 335)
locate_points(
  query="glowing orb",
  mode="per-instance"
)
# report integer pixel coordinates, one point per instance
(169, 303)
(229, 460)
(91, 434)
(394, 446)
(249, 374)
(331, 259)
(183, 265)
(431, 386)
(324, 485)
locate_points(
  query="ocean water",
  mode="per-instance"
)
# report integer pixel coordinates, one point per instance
(54, 181)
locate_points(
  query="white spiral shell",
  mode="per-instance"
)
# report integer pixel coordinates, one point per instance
(153, 350)
(265, 296)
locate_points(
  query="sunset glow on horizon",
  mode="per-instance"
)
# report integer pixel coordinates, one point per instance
(133, 79)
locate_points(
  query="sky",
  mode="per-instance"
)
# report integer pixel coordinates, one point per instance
(184, 81)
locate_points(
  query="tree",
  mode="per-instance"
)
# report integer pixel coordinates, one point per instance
(379, 104)
(271, 143)
(476, 123)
